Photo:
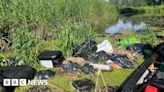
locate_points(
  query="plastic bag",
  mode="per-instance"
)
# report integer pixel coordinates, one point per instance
(87, 69)
(83, 85)
(140, 48)
(122, 61)
(85, 49)
(102, 56)
(105, 46)
(70, 66)
(44, 75)
(126, 42)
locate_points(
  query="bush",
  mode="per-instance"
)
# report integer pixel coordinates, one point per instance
(150, 38)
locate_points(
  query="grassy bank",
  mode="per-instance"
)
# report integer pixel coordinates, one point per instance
(151, 10)
(144, 11)
(68, 21)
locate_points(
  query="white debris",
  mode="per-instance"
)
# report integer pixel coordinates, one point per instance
(105, 46)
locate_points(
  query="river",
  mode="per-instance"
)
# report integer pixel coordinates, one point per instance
(136, 23)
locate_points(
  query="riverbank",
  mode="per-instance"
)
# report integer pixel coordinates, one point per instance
(143, 11)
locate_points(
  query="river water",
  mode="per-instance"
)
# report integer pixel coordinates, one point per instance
(134, 23)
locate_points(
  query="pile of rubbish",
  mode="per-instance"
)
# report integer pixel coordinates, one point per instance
(94, 53)
(90, 56)
(154, 80)
(148, 77)
(86, 58)
(140, 49)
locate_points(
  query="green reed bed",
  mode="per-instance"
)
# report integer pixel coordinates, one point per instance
(69, 21)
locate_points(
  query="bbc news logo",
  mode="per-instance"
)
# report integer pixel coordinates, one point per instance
(23, 82)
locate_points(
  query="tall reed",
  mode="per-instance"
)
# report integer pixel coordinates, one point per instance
(70, 21)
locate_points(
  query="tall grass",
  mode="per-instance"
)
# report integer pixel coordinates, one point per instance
(74, 34)
(24, 45)
(70, 21)
(49, 15)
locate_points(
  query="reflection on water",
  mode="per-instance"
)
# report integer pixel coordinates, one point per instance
(123, 26)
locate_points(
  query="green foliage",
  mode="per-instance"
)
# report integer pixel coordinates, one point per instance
(150, 38)
(153, 11)
(74, 34)
(46, 19)
(143, 11)
(24, 47)
(49, 45)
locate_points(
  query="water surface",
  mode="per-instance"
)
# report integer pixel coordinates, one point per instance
(135, 23)
(121, 25)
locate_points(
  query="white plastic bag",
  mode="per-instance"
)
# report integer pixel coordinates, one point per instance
(105, 46)
(101, 66)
